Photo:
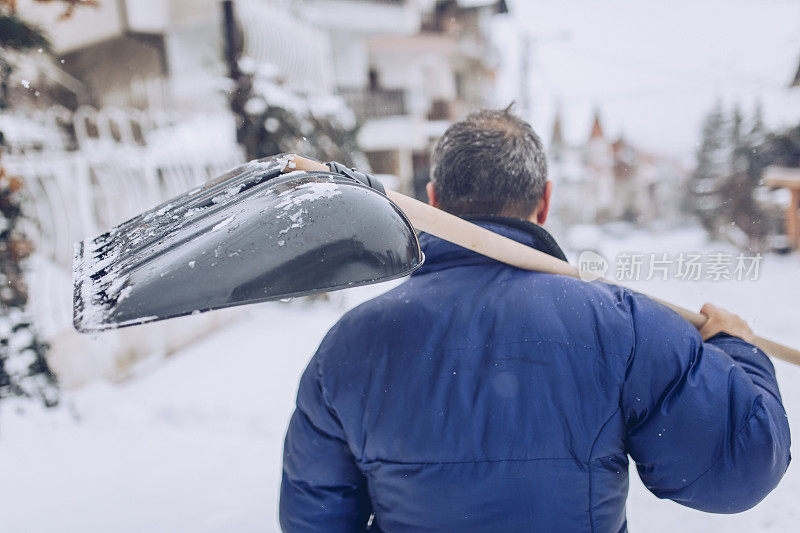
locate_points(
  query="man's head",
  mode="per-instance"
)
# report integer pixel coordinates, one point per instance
(491, 163)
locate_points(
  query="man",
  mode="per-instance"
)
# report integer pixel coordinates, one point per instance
(480, 397)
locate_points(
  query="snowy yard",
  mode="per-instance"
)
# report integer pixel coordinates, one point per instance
(194, 443)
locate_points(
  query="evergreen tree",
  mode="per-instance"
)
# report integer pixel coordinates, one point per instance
(23, 367)
(269, 126)
(726, 183)
(273, 119)
(18, 36)
(746, 167)
(706, 189)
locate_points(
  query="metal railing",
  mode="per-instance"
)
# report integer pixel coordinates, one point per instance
(375, 103)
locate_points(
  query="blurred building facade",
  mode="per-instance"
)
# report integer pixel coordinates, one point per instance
(408, 69)
(135, 53)
(605, 180)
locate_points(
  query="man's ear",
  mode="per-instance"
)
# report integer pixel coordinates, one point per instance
(432, 200)
(540, 217)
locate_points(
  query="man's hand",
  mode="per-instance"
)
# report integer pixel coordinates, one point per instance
(725, 321)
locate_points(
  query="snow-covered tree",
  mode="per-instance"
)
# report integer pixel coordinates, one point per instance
(725, 184)
(18, 35)
(707, 194)
(747, 167)
(23, 367)
(273, 119)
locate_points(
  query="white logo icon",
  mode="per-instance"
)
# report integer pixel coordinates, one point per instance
(592, 266)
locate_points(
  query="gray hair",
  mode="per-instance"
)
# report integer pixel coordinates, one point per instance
(490, 163)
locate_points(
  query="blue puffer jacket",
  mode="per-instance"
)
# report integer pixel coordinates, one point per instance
(480, 397)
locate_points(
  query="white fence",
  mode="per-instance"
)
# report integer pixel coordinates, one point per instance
(115, 164)
(75, 195)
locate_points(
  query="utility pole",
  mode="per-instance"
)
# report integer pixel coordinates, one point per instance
(229, 34)
(527, 48)
(525, 76)
(247, 133)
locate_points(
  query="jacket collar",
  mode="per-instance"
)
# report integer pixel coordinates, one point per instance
(441, 254)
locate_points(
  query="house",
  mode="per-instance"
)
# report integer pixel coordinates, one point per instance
(144, 54)
(408, 69)
(582, 174)
(783, 177)
(788, 178)
(601, 180)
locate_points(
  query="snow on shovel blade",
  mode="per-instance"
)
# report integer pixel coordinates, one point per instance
(252, 235)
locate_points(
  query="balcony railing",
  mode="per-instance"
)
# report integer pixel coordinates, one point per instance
(375, 103)
(440, 110)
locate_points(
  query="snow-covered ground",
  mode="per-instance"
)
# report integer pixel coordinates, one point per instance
(194, 443)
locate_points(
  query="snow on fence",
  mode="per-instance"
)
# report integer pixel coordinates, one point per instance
(86, 172)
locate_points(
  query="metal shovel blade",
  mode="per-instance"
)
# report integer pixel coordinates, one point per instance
(252, 235)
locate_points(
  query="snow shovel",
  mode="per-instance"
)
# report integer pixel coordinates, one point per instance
(252, 235)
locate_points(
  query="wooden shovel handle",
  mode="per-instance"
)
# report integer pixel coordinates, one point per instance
(779, 351)
(458, 231)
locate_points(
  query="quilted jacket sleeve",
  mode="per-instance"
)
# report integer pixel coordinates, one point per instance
(322, 489)
(705, 422)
